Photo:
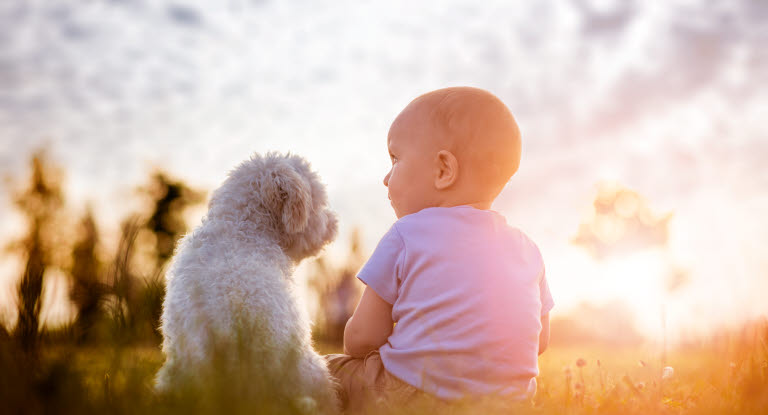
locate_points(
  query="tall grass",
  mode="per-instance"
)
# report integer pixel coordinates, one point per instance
(727, 373)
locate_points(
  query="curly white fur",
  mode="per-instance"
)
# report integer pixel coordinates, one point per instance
(230, 292)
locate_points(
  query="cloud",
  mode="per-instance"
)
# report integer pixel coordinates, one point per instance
(184, 15)
(665, 97)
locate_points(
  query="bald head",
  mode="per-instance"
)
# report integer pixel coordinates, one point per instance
(476, 127)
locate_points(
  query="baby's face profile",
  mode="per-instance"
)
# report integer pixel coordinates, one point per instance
(409, 180)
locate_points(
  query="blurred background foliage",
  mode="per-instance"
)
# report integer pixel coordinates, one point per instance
(117, 296)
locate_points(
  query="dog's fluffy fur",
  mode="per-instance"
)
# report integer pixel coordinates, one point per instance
(230, 299)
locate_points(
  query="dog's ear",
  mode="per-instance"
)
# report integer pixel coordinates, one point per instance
(296, 197)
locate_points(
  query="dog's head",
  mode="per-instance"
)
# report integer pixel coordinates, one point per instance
(282, 196)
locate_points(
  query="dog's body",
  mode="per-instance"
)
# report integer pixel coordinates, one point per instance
(230, 306)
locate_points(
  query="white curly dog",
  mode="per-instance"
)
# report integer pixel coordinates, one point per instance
(230, 301)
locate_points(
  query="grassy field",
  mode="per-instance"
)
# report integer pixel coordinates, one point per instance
(716, 378)
(595, 380)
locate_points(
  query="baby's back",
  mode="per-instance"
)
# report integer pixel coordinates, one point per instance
(468, 292)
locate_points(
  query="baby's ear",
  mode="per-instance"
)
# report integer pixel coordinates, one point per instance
(296, 196)
(447, 169)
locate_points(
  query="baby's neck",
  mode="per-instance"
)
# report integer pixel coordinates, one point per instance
(485, 205)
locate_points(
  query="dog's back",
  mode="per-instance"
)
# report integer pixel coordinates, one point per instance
(230, 321)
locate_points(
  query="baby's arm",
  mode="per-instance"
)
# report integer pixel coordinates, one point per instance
(544, 336)
(370, 325)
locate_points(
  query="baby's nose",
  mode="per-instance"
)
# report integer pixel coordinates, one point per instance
(386, 180)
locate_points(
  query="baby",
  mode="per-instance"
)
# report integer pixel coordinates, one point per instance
(456, 303)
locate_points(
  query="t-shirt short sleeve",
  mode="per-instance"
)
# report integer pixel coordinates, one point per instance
(383, 269)
(546, 297)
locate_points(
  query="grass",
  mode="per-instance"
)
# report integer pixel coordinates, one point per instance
(626, 381)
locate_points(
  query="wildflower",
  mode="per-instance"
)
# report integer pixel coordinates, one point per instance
(641, 363)
(581, 362)
(732, 366)
(598, 362)
(640, 385)
(667, 372)
(577, 386)
(567, 372)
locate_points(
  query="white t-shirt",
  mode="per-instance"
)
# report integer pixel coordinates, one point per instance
(468, 292)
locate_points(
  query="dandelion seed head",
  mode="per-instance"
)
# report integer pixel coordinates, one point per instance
(667, 372)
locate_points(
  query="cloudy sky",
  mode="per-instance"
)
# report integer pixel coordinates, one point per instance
(667, 98)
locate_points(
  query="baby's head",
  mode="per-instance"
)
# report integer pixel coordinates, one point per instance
(449, 147)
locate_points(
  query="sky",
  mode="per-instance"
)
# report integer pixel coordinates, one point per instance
(666, 98)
